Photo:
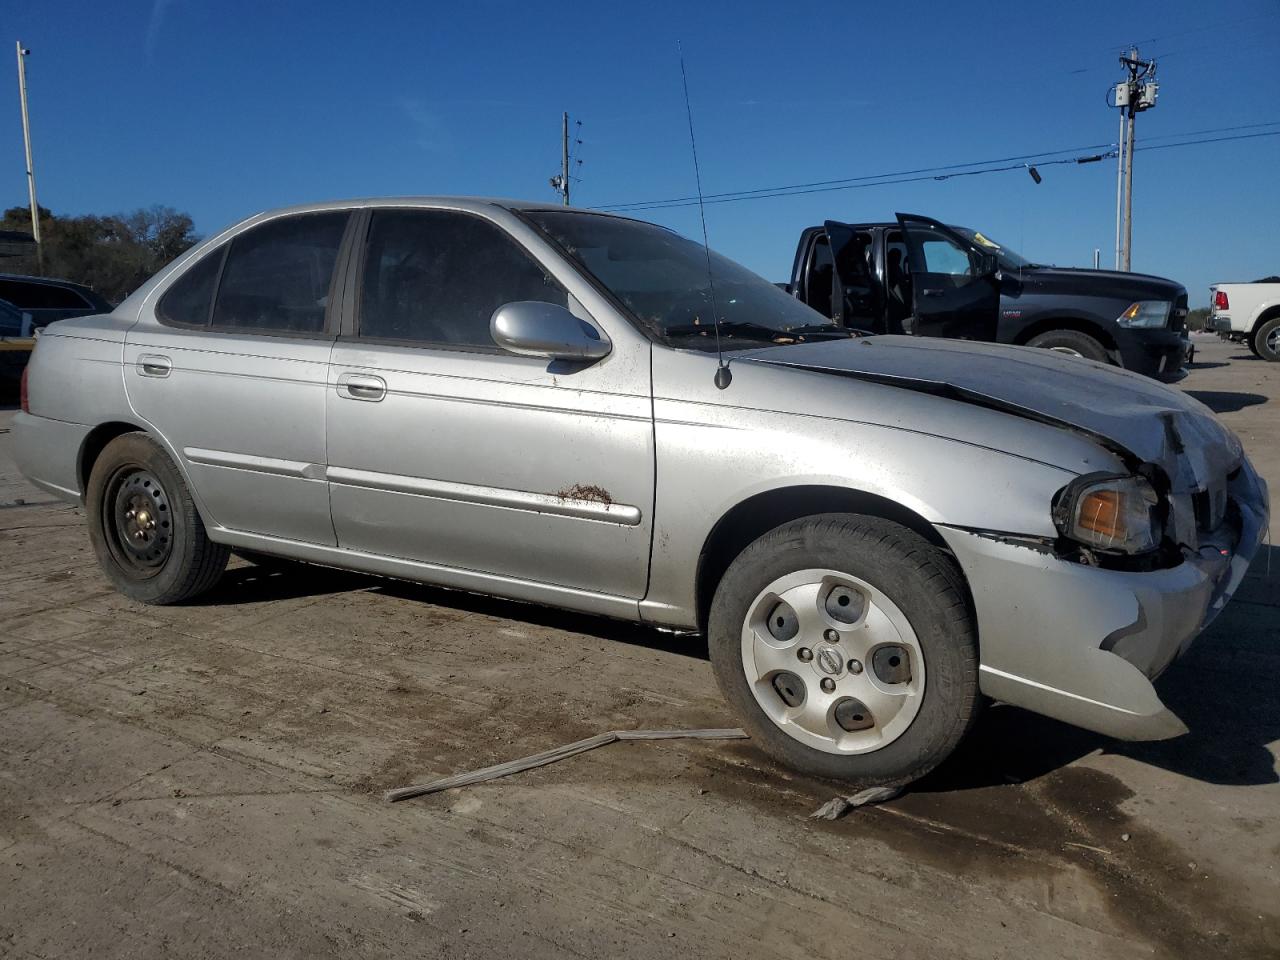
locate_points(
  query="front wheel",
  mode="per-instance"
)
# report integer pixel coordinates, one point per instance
(1266, 340)
(144, 526)
(1073, 343)
(846, 646)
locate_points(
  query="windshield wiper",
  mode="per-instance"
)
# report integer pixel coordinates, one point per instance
(758, 331)
(822, 329)
(728, 328)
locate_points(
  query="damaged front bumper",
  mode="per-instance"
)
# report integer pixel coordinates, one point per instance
(1083, 643)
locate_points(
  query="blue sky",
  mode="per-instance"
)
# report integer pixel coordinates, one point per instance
(222, 108)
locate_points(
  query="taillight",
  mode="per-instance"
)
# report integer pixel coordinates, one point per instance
(1220, 301)
(23, 400)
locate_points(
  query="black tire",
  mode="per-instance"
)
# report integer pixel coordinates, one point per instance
(1072, 341)
(1265, 341)
(173, 558)
(1252, 346)
(926, 586)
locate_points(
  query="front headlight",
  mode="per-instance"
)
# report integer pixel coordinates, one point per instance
(1146, 313)
(1109, 513)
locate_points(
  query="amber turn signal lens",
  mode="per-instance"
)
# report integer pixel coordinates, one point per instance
(1099, 511)
(1117, 514)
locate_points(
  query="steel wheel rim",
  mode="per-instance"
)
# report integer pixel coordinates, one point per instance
(771, 658)
(1068, 351)
(1273, 340)
(138, 521)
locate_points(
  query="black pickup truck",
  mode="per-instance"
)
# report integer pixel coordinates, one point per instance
(921, 277)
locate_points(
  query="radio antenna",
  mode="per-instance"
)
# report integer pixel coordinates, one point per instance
(723, 375)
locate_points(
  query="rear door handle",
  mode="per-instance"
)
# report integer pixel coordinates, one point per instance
(154, 365)
(932, 293)
(361, 386)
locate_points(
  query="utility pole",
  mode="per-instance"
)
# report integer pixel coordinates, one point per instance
(560, 182)
(1133, 95)
(564, 155)
(31, 171)
(1120, 156)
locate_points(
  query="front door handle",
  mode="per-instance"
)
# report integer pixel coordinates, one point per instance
(154, 365)
(932, 293)
(361, 386)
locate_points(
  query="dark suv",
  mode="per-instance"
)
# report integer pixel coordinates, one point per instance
(29, 303)
(47, 300)
(919, 276)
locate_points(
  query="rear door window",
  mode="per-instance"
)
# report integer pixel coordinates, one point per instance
(277, 276)
(437, 276)
(41, 296)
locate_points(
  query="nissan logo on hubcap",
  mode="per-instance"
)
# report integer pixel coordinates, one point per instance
(829, 660)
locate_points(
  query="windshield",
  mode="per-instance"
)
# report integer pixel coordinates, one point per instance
(1009, 259)
(662, 279)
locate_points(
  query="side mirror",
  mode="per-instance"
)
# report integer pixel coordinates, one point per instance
(989, 264)
(531, 328)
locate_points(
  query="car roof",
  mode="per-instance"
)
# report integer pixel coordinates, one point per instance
(48, 282)
(474, 204)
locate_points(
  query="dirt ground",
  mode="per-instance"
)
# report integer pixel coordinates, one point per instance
(204, 780)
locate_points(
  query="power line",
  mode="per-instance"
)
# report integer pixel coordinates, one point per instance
(1192, 143)
(1196, 133)
(940, 172)
(837, 184)
(1197, 31)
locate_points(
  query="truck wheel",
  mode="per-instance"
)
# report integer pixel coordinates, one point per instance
(144, 527)
(1071, 342)
(1266, 340)
(846, 647)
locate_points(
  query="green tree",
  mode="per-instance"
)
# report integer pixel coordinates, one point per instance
(112, 254)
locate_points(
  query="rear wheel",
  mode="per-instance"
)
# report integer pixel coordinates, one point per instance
(845, 644)
(144, 527)
(1266, 340)
(1071, 342)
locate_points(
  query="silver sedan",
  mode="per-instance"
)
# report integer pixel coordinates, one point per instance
(873, 532)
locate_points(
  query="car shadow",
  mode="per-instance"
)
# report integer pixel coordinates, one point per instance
(553, 618)
(1223, 689)
(1206, 364)
(283, 580)
(1227, 401)
(278, 579)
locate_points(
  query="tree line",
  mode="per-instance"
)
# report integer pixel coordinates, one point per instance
(112, 254)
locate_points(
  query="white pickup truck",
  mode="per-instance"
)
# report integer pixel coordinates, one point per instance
(1248, 313)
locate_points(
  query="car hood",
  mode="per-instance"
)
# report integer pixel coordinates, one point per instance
(1139, 419)
(1102, 283)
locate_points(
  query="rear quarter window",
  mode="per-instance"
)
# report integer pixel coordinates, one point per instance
(188, 301)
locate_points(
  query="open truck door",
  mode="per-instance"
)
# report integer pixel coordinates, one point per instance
(955, 285)
(856, 300)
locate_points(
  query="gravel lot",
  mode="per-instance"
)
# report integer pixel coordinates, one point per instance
(203, 780)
